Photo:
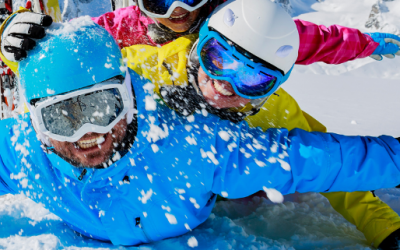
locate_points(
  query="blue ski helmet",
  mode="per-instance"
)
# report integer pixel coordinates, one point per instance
(72, 56)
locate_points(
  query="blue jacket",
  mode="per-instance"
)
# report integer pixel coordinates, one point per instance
(166, 184)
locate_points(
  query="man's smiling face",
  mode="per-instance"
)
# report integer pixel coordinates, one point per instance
(93, 149)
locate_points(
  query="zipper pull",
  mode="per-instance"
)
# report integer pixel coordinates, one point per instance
(139, 225)
(82, 174)
(126, 180)
(137, 222)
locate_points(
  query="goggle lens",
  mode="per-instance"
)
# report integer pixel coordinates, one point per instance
(161, 7)
(100, 108)
(218, 61)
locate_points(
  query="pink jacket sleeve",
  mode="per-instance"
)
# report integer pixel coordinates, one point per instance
(333, 45)
(127, 26)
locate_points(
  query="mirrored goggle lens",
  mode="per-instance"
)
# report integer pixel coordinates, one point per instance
(161, 7)
(66, 117)
(218, 61)
(257, 84)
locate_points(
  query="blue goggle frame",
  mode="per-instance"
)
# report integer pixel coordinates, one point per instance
(258, 68)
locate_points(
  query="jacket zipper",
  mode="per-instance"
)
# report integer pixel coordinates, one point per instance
(82, 174)
(139, 224)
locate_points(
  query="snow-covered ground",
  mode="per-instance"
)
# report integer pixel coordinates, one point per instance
(355, 98)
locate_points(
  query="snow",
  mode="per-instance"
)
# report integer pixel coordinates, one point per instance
(71, 9)
(224, 135)
(150, 103)
(7, 92)
(274, 195)
(355, 98)
(71, 27)
(192, 242)
(224, 194)
(146, 196)
(171, 218)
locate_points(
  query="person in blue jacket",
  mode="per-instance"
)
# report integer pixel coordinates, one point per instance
(99, 151)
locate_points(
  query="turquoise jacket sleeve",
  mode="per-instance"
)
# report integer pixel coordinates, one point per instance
(248, 161)
(8, 184)
(4, 188)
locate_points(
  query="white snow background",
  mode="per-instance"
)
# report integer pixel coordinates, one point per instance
(354, 98)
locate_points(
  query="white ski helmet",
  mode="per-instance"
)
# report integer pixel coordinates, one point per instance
(260, 27)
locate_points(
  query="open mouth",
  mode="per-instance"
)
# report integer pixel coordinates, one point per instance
(179, 18)
(221, 90)
(90, 143)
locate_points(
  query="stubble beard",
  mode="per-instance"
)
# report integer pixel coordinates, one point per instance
(66, 149)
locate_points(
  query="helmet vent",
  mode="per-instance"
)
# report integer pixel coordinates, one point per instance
(236, 57)
(229, 18)
(250, 66)
(284, 51)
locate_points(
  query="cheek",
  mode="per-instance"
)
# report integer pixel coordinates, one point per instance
(202, 78)
(121, 133)
(204, 87)
(242, 101)
(163, 21)
(194, 14)
(56, 144)
(120, 129)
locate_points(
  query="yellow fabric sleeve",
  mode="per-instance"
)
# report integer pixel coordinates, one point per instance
(152, 62)
(282, 111)
(375, 219)
(52, 8)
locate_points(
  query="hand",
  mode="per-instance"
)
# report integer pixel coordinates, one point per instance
(389, 45)
(19, 32)
(391, 242)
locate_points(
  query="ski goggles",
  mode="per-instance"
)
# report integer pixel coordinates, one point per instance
(96, 109)
(222, 61)
(164, 8)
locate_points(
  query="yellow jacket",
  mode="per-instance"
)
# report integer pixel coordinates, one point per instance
(371, 216)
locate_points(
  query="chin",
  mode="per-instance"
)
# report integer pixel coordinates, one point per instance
(95, 161)
(181, 29)
(99, 164)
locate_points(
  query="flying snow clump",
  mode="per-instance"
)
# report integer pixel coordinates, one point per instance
(192, 242)
(274, 195)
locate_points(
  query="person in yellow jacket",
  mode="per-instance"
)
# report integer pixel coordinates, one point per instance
(166, 67)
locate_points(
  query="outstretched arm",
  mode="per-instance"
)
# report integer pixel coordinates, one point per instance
(305, 162)
(333, 45)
